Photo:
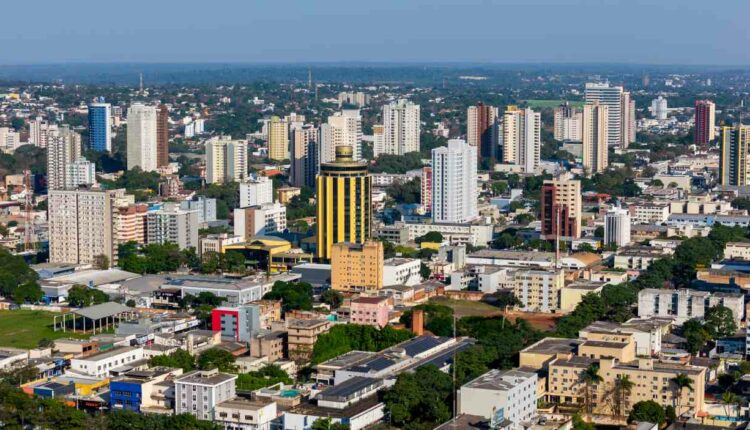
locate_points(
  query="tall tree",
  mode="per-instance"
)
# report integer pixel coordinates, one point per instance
(590, 377)
(681, 382)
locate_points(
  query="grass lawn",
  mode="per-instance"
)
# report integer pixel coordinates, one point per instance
(538, 104)
(467, 308)
(24, 328)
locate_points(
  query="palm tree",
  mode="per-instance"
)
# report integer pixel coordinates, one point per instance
(623, 386)
(729, 398)
(590, 377)
(681, 381)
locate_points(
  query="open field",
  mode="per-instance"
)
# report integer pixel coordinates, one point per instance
(538, 104)
(466, 308)
(24, 328)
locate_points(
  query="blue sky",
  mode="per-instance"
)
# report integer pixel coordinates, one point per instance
(499, 31)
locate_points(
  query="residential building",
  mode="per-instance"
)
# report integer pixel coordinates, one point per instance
(130, 224)
(100, 126)
(9, 140)
(659, 108)
(342, 129)
(63, 148)
(425, 195)
(173, 225)
(81, 225)
(100, 365)
(302, 335)
(285, 194)
(199, 392)
(561, 209)
(401, 127)
(733, 158)
(480, 126)
(737, 251)
(243, 414)
(79, 173)
(217, 243)
(40, 131)
(402, 271)
(238, 323)
(226, 160)
(278, 139)
(454, 183)
(595, 135)
(617, 227)
(142, 137)
(256, 192)
(612, 98)
(522, 138)
(357, 267)
(259, 220)
(205, 207)
(705, 122)
(304, 156)
(568, 123)
(502, 395)
(162, 136)
(539, 290)
(344, 208)
(370, 311)
(636, 257)
(572, 294)
(356, 98)
(684, 304)
(143, 390)
(649, 213)
(378, 140)
(628, 127)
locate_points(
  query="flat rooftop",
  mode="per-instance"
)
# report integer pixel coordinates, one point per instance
(108, 354)
(202, 377)
(554, 345)
(349, 359)
(244, 404)
(500, 380)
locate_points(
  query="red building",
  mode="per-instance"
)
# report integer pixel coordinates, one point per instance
(557, 218)
(162, 136)
(705, 122)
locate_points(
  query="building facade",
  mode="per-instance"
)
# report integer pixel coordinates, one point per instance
(595, 135)
(401, 128)
(539, 290)
(199, 392)
(226, 160)
(63, 148)
(561, 209)
(100, 126)
(454, 183)
(357, 267)
(278, 139)
(259, 220)
(705, 122)
(142, 137)
(162, 136)
(733, 159)
(256, 192)
(173, 225)
(617, 227)
(522, 138)
(480, 127)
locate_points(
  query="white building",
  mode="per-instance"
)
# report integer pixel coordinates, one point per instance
(401, 271)
(199, 392)
(40, 132)
(595, 135)
(568, 123)
(259, 220)
(63, 148)
(173, 225)
(206, 208)
(522, 138)
(226, 160)
(454, 183)
(502, 394)
(620, 111)
(243, 414)
(101, 364)
(80, 172)
(343, 129)
(737, 251)
(401, 127)
(256, 192)
(617, 227)
(659, 108)
(649, 213)
(682, 305)
(9, 140)
(141, 138)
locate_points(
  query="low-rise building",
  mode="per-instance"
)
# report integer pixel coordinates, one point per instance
(199, 392)
(302, 335)
(509, 394)
(357, 267)
(539, 290)
(370, 311)
(238, 323)
(684, 304)
(737, 251)
(401, 271)
(639, 257)
(101, 364)
(649, 213)
(572, 294)
(144, 390)
(244, 414)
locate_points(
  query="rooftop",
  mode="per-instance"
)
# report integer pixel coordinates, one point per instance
(553, 345)
(548, 257)
(350, 388)
(111, 353)
(96, 277)
(499, 379)
(103, 310)
(585, 285)
(244, 404)
(205, 377)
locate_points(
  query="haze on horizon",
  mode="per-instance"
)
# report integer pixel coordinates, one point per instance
(690, 32)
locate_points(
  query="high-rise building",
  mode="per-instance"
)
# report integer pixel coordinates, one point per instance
(522, 142)
(344, 211)
(425, 197)
(80, 172)
(162, 136)
(733, 167)
(130, 224)
(40, 132)
(594, 136)
(81, 225)
(304, 162)
(454, 183)
(278, 139)
(617, 227)
(259, 220)
(480, 122)
(378, 140)
(568, 122)
(620, 112)
(705, 122)
(356, 267)
(173, 225)
(358, 99)
(561, 209)
(628, 126)
(9, 140)
(401, 127)
(343, 129)
(256, 192)
(659, 108)
(142, 137)
(226, 160)
(100, 126)
(63, 147)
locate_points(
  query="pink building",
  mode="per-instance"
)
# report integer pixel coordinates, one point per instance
(370, 311)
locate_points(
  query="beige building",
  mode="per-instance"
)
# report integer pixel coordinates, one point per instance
(356, 268)
(737, 251)
(522, 138)
(302, 335)
(539, 290)
(594, 138)
(572, 294)
(81, 225)
(278, 139)
(566, 195)
(63, 148)
(226, 160)
(130, 224)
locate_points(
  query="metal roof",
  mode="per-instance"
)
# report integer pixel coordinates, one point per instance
(103, 310)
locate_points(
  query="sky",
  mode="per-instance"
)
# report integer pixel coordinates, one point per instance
(700, 32)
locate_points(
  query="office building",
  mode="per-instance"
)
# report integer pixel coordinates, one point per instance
(522, 138)
(682, 305)
(425, 195)
(142, 137)
(454, 183)
(538, 290)
(79, 173)
(343, 129)
(620, 112)
(162, 136)
(256, 192)
(278, 139)
(594, 138)
(705, 122)
(480, 125)
(173, 225)
(357, 267)
(401, 128)
(304, 156)
(226, 160)
(100, 126)
(561, 209)
(237, 323)
(259, 220)
(659, 108)
(733, 159)
(199, 392)
(617, 227)
(344, 211)
(503, 394)
(568, 123)
(63, 148)
(81, 225)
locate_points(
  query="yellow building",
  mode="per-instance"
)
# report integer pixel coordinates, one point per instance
(344, 212)
(572, 294)
(357, 268)
(733, 160)
(285, 194)
(278, 139)
(270, 253)
(539, 290)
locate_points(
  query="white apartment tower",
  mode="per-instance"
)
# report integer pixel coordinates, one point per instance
(256, 192)
(80, 172)
(568, 123)
(454, 183)
(141, 138)
(226, 160)
(173, 225)
(40, 132)
(620, 112)
(522, 142)
(63, 147)
(343, 129)
(617, 227)
(401, 127)
(595, 137)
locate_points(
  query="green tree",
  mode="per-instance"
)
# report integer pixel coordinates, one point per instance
(430, 237)
(215, 358)
(695, 334)
(101, 262)
(265, 377)
(649, 411)
(81, 296)
(28, 292)
(580, 424)
(424, 270)
(590, 377)
(327, 424)
(332, 298)
(341, 339)
(720, 321)
(623, 388)
(180, 359)
(420, 400)
(293, 296)
(681, 382)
